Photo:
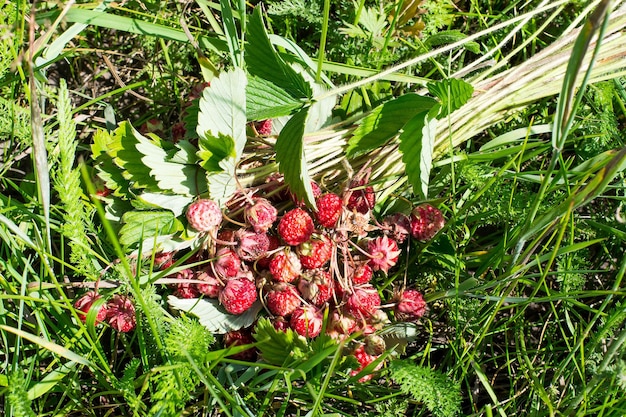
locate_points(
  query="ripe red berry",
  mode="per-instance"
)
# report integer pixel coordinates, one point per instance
(317, 191)
(363, 302)
(211, 286)
(238, 295)
(204, 215)
(226, 264)
(329, 207)
(264, 127)
(315, 252)
(264, 261)
(282, 299)
(121, 313)
(360, 197)
(383, 253)
(362, 274)
(285, 266)
(426, 221)
(186, 289)
(295, 227)
(251, 245)
(316, 286)
(241, 337)
(84, 304)
(261, 214)
(410, 305)
(364, 359)
(307, 321)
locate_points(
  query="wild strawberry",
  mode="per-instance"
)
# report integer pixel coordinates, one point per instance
(397, 226)
(261, 214)
(153, 126)
(374, 344)
(186, 289)
(410, 305)
(285, 266)
(329, 207)
(364, 359)
(280, 323)
(315, 252)
(163, 260)
(84, 304)
(361, 198)
(264, 261)
(204, 215)
(264, 127)
(343, 324)
(238, 295)
(282, 299)
(316, 286)
(362, 274)
(241, 337)
(307, 321)
(295, 227)
(383, 253)
(426, 221)
(251, 245)
(363, 302)
(210, 286)
(121, 314)
(178, 132)
(226, 264)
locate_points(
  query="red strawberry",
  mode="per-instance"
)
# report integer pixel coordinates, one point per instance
(307, 321)
(211, 286)
(226, 264)
(363, 302)
(163, 260)
(342, 324)
(426, 221)
(410, 305)
(84, 304)
(264, 127)
(329, 207)
(360, 198)
(282, 299)
(261, 214)
(362, 274)
(316, 286)
(383, 253)
(397, 226)
(238, 295)
(121, 313)
(251, 245)
(264, 261)
(285, 266)
(295, 227)
(186, 289)
(364, 359)
(315, 252)
(241, 337)
(204, 215)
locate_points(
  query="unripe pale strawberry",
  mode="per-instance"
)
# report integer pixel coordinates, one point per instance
(251, 245)
(282, 299)
(316, 286)
(238, 295)
(84, 304)
(226, 264)
(410, 305)
(121, 313)
(383, 253)
(315, 252)
(295, 227)
(329, 207)
(261, 214)
(211, 286)
(285, 266)
(204, 215)
(307, 321)
(426, 221)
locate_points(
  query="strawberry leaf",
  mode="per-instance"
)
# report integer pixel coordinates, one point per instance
(265, 100)
(175, 203)
(212, 316)
(453, 94)
(385, 121)
(144, 224)
(416, 144)
(292, 159)
(214, 150)
(277, 346)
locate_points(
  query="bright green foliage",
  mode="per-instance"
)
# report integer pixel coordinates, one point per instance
(309, 11)
(416, 144)
(187, 337)
(147, 224)
(438, 393)
(278, 347)
(20, 405)
(453, 94)
(126, 385)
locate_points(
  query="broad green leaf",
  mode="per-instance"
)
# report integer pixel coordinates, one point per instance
(265, 100)
(214, 150)
(277, 346)
(221, 186)
(292, 159)
(453, 94)
(138, 225)
(385, 122)
(212, 316)
(416, 144)
(263, 61)
(175, 203)
(450, 36)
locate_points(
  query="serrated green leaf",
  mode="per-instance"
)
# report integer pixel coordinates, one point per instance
(263, 61)
(292, 159)
(265, 100)
(446, 37)
(453, 94)
(221, 186)
(385, 122)
(416, 144)
(145, 224)
(175, 203)
(277, 346)
(214, 150)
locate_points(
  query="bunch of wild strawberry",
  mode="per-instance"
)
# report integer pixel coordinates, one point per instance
(303, 261)
(118, 312)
